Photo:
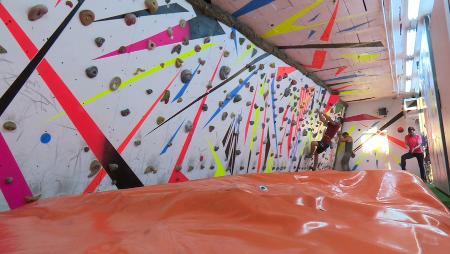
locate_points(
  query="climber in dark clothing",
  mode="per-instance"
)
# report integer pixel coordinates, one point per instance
(348, 151)
(318, 147)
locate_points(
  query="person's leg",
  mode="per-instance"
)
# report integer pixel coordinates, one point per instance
(314, 145)
(422, 168)
(404, 158)
(316, 161)
(345, 161)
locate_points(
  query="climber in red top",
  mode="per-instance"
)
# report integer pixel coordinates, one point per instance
(318, 147)
(414, 142)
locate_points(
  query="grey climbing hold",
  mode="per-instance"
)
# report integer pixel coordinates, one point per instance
(205, 107)
(99, 41)
(224, 72)
(237, 98)
(115, 83)
(151, 45)
(86, 17)
(239, 119)
(137, 142)
(3, 50)
(248, 103)
(232, 115)
(220, 104)
(188, 126)
(224, 116)
(94, 167)
(209, 85)
(150, 169)
(92, 72)
(36, 12)
(190, 168)
(211, 128)
(9, 125)
(125, 112)
(185, 41)
(9, 180)
(160, 120)
(152, 6)
(177, 49)
(149, 91)
(182, 23)
(287, 91)
(186, 76)
(130, 19)
(254, 52)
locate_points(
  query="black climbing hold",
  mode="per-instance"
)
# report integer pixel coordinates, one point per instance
(149, 91)
(224, 72)
(241, 41)
(254, 52)
(188, 126)
(3, 50)
(224, 116)
(9, 180)
(86, 149)
(186, 76)
(216, 148)
(137, 142)
(205, 107)
(125, 112)
(99, 41)
(211, 128)
(177, 49)
(237, 98)
(92, 72)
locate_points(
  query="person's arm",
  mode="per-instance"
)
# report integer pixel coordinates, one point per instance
(322, 118)
(419, 144)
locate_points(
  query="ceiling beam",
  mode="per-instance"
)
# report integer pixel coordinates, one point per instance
(214, 11)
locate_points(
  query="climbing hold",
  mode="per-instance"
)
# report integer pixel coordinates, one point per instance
(238, 152)
(211, 128)
(36, 12)
(122, 50)
(186, 76)
(237, 98)
(188, 126)
(115, 83)
(92, 72)
(206, 40)
(182, 23)
(224, 116)
(150, 169)
(209, 85)
(185, 41)
(137, 142)
(197, 48)
(272, 65)
(166, 97)
(86, 149)
(152, 6)
(9, 125)
(228, 97)
(293, 82)
(254, 52)
(113, 167)
(202, 166)
(241, 81)
(180, 100)
(241, 41)
(190, 168)
(400, 129)
(248, 103)
(176, 48)
(280, 110)
(252, 122)
(160, 120)
(178, 63)
(170, 32)
(251, 68)
(249, 46)
(9, 180)
(252, 89)
(87, 17)
(205, 107)
(226, 53)
(287, 92)
(31, 199)
(305, 133)
(130, 19)
(216, 148)
(99, 41)
(224, 72)
(69, 3)
(94, 167)
(3, 50)
(220, 104)
(201, 61)
(178, 168)
(232, 115)
(151, 45)
(149, 91)
(125, 112)
(211, 167)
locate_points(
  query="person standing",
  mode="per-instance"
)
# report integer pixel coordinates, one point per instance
(318, 147)
(348, 151)
(414, 142)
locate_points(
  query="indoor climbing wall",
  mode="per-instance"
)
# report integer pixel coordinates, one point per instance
(134, 93)
(378, 140)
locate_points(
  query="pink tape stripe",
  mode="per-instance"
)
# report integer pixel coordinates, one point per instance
(15, 192)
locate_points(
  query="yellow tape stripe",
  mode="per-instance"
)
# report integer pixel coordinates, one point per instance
(220, 171)
(255, 124)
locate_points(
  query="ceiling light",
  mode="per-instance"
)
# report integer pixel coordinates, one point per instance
(410, 42)
(413, 9)
(409, 68)
(408, 86)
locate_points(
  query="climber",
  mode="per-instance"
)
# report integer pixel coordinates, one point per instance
(318, 147)
(414, 142)
(348, 151)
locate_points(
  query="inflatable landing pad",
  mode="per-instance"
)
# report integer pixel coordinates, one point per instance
(313, 212)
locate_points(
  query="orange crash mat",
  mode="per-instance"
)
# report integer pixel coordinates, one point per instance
(313, 212)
